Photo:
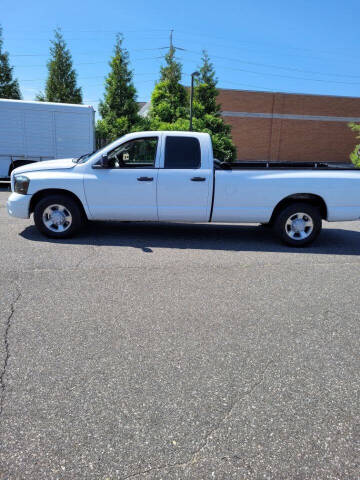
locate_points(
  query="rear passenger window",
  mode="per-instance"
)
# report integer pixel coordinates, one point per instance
(182, 152)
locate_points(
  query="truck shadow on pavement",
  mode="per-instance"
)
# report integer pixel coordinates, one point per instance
(146, 236)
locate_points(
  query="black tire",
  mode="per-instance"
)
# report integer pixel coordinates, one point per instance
(70, 207)
(288, 215)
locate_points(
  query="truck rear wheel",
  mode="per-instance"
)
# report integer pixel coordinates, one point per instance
(298, 224)
(58, 216)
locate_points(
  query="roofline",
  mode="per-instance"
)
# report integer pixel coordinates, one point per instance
(287, 93)
(272, 92)
(34, 102)
(166, 132)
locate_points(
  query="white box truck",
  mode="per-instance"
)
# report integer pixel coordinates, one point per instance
(35, 131)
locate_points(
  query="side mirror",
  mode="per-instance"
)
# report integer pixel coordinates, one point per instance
(105, 162)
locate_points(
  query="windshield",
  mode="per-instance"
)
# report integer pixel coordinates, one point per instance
(84, 158)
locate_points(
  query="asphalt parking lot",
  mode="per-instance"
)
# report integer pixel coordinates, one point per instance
(144, 351)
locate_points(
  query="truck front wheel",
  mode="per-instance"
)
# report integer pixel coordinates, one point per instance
(298, 224)
(58, 216)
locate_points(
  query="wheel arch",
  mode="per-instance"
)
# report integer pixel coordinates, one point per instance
(39, 195)
(310, 198)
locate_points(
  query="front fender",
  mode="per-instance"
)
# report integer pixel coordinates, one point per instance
(60, 182)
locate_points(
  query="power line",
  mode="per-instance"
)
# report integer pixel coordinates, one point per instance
(84, 78)
(142, 30)
(261, 46)
(275, 74)
(96, 85)
(171, 46)
(238, 84)
(174, 48)
(229, 68)
(279, 67)
(180, 32)
(292, 77)
(74, 54)
(257, 87)
(89, 63)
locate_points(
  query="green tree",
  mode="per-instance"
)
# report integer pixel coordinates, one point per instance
(207, 112)
(355, 155)
(170, 105)
(206, 91)
(9, 87)
(169, 100)
(61, 82)
(119, 108)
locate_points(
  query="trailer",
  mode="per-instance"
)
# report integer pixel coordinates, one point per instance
(36, 131)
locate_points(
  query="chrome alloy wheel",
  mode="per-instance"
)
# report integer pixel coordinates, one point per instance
(299, 226)
(57, 218)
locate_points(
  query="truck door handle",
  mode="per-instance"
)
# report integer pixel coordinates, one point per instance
(145, 179)
(198, 179)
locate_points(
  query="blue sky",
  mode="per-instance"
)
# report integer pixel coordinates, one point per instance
(308, 46)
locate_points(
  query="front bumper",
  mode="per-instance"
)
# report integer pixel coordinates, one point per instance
(18, 205)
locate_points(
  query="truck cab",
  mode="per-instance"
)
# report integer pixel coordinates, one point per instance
(156, 176)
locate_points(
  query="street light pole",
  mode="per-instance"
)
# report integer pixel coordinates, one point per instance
(194, 74)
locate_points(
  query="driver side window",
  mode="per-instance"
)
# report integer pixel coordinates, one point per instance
(138, 153)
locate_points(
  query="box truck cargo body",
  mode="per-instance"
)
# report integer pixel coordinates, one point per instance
(36, 131)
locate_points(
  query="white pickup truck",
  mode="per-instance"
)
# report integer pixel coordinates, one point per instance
(173, 177)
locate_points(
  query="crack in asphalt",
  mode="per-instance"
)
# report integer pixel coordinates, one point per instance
(7, 347)
(195, 455)
(84, 259)
(230, 410)
(170, 266)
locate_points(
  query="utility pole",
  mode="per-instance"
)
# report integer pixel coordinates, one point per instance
(171, 41)
(172, 47)
(194, 74)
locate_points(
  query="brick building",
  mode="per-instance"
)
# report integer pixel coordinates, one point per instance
(283, 126)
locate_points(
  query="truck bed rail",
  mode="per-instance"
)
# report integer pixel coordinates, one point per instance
(283, 165)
